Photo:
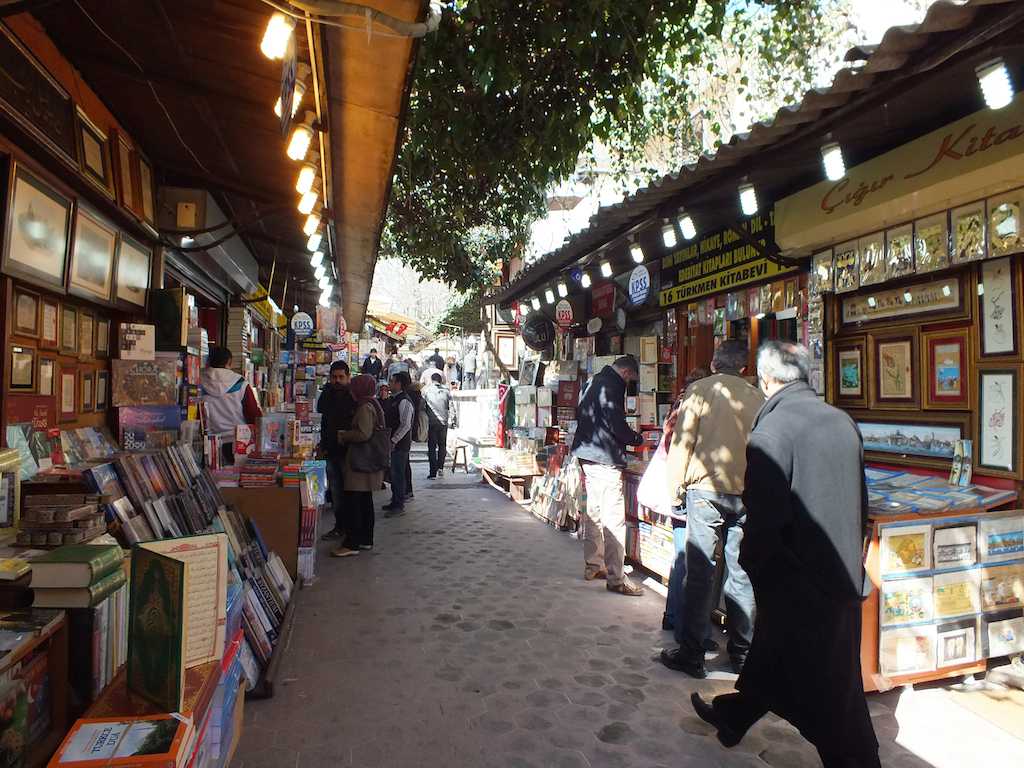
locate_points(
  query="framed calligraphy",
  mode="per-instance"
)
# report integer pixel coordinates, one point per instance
(1005, 232)
(998, 421)
(894, 370)
(997, 308)
(936, 299)
(969, 232)
(931, 243)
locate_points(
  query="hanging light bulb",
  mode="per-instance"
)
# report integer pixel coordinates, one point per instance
(636, 251)
(325, 282)
(523, 309)
(748, 199)
(312, 222)
(832, 158)
(668, 234)
(309, 200)
(996, 85)
(308, 174)
(325, 299)
(535, 303)
(686, 225)
(549, 296)
(563, 289)
(279, 30)
(301, 73)
(314, 241)
(606, 269)
(585, 279)
(320, 271)
(316, 259)
(302, 137)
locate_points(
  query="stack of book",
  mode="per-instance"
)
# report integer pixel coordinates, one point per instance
(259, 471)
(98, 646)
(77, 575)
(53, 519)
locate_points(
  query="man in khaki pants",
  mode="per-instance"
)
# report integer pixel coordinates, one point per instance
(601, 437)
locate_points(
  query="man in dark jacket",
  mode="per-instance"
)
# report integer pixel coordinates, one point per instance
(806, 503)
(601, 437)
(337, 406)
(435, 359)
(437, 398)
(372, 365)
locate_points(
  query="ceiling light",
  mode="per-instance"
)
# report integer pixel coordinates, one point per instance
(307, 176)
(324, 282)
(585, 279)
(908, 296)
(563, 289)
(276, 36)
(308, 201)
(273, 306)
(832, 158)
(312, 222)
(302, 71)
(535, 303)
(686, 225)
(606, 269)
(319, 271)
(302, 137)
(995, 82)
(316, 259)
(549, 296)
(668, 234)
(637, 252)
(523, 309)
(748, 199)
(314, 241)
(325, 299)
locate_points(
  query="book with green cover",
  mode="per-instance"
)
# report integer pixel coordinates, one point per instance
(79, 597)
(75, 565)
(157, 628)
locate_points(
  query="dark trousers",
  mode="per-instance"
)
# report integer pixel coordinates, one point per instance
(709, 516)
(437, 446)
(676, 577)
(408, 476)
(359, 518)
(399, 468)
(336, 484)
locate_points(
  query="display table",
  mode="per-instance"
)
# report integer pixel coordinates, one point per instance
(649, 543)
(514, 483)
(948, 572)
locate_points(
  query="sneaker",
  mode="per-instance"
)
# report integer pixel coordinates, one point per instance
(674, 659)
(626, 588)
(334, 533)
(366, 547)
(389, 507)
(395, 512)
(432, 477)
(344, 552)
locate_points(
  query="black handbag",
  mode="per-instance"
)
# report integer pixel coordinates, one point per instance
(374, 455)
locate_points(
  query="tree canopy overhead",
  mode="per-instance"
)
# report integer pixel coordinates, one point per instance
(508, 94)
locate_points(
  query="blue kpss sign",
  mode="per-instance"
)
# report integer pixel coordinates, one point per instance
(639, 285)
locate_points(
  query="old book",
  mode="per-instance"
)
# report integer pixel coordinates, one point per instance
(150, 741)
(75, 566)
(79, 597)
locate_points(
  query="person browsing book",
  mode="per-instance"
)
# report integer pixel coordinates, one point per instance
(400, 414)
(337, 406)
(229, 401)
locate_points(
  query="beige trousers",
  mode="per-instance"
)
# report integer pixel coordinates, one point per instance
(604, 522)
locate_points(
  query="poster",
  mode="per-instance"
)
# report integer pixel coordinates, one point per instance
(1002, 587)
(1005, 634)
(906, 548)
(956, 546)
(958, 593)
(907, 651)
(1001, 538)
(956, 643)
(905, 601)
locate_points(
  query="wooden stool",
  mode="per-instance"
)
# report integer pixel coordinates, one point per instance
(465, 458)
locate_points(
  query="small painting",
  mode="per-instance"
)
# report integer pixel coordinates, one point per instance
(102, 390)
(102, 337)
(998, 421)
(38, 221)
(872, 259)
(85, 334)
(133, 265)
(94, 155)
(69, 330)
(997, 308)
(969, 233)
(68, 394)
(945, 361)
(850, 380)
(1005, 235)
(23, 369)
(894, 369)
(88, 381)
(924, 440)
(26, 312)
(931, 243)
(49, 323)
(92, 256)
(46, 368)
(899, 252)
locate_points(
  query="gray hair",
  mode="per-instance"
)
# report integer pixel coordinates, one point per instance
(783, 361)
(730, 357)
(627, 363)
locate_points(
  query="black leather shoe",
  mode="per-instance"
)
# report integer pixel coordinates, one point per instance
(737, 663)
(674, 659)
(666, 625)
(706, 712)
(710, 646)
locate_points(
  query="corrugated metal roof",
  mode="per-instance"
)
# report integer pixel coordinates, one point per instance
(869, 66)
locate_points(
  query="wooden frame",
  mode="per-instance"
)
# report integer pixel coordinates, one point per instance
(89, 232)
(147, 191)
(86, 333)
(67, 394)
(854, 353)
(24, 302)
(46, 386)
(94, 153)
(997, 333)
(127, 182)
(47, 341)
(68, 324)
(998, 420)
(23, 361)
(894, 378)
(892, 309)
(942, 387)
(104, 403)
(87, 384)
(914, 456)
(968, 226)
(102, 346)
(123, 293)
(26, 230)
(1005, 230)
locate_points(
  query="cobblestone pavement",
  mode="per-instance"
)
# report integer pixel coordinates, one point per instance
(468, 637)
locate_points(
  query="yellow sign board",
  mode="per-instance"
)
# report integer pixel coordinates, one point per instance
(753, 271)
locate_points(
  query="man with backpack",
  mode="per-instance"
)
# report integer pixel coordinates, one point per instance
(438, 400)
(400, 415)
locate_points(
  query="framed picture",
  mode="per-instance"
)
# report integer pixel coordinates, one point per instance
(26, 312)
(86, 329)
(894, 370)
(49, 323)
(998, 421)
(851, 374)
(88, 382)
(931, 243)
(102, 337)
(37, 227)
(23, 369)
(899, 252)
(969, 232)
(94, 154)
(935, 299)
(997, 308)
(847, 267)
(945, 361)
(926, 440)
(127, 189)
(102, 390)
(68, 330)
(148, 204)
(1005, 233)
(46, 371)
(92, 256)
(872, 259)
(68, 394)
(820, 280)
(133, 265)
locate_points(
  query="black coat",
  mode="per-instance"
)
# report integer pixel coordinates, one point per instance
(338, 407)
(372, 366)
(601, 430)
(806, 503)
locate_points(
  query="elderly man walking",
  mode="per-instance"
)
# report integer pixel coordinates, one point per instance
(806, 503)
(705, 467)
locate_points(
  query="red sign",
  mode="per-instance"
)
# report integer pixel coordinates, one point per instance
(563, 313)
(401, 328)
(602, 300)
(39, 411)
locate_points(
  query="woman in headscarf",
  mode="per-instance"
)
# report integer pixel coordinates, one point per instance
(359, 486)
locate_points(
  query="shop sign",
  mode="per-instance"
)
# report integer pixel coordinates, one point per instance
(718, 262)
(602, 300)
(639, 285)
(302, 325)
(563, 313)
(287, 94)
(885, 187)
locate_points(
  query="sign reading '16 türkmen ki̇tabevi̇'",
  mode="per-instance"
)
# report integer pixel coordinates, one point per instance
(719, 262)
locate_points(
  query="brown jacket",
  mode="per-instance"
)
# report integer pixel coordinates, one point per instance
(708, 450)
(362, 428)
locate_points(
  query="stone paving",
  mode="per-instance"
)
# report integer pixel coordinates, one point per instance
(468, 637)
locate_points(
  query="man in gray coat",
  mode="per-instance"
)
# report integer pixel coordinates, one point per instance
(806, 503)
(438, 401)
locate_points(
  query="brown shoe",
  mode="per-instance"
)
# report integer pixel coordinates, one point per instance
(626, 588)
(599, 574)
